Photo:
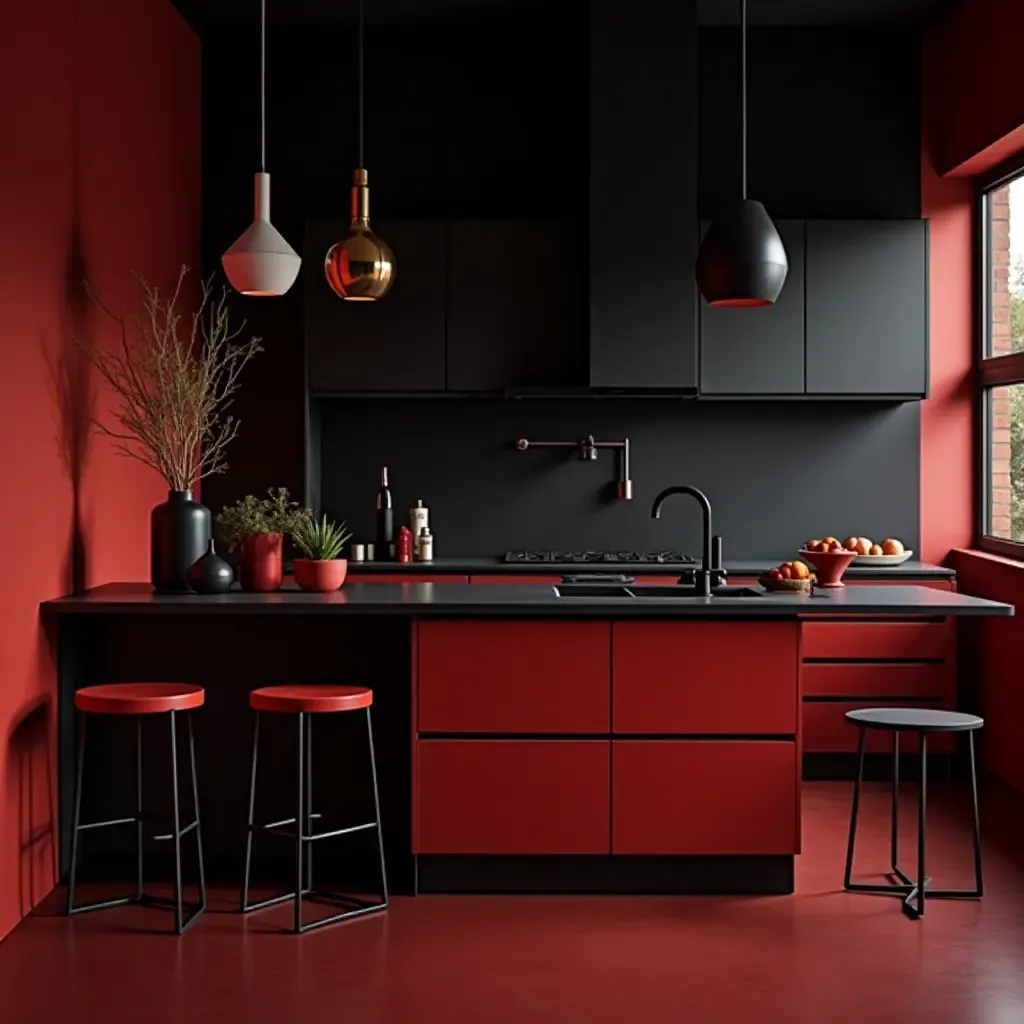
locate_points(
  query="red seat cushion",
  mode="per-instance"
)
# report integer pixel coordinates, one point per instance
(139, 698)
(315, 699)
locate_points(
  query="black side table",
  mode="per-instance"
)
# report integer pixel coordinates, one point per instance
(921, 721)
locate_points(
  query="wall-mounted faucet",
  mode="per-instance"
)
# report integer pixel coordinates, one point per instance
(587, 449)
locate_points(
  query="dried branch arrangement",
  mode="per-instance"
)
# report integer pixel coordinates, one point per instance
(174, 384)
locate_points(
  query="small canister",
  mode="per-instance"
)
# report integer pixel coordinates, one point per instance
(419, 520)
(425, 546)
(357, 553)
(405, 544)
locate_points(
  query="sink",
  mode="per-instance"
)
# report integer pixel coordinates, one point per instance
(667, 591)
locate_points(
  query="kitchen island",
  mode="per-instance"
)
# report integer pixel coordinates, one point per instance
(529, 741)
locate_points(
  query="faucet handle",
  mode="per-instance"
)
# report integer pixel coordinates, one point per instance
(716, 572)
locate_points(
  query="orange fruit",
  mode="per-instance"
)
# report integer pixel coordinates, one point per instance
(892, 547)
(800, 571)
(786, 572)
(831, 540)
(876, 549)
(851, 543)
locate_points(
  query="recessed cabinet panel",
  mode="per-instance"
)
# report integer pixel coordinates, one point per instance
(867, 307)
(516, 304)
(758, 351)
(394, 344)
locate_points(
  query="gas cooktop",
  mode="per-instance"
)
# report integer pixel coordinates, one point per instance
(589, 557)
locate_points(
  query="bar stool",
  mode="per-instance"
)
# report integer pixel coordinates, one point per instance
(305, 702)
(141, 700)
(921, 721)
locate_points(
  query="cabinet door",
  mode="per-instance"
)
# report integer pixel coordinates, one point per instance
(867, 313)
(512, 796)
(758, 351)
(394, 344)
(515, 305)
(705, 797)
(705, 678)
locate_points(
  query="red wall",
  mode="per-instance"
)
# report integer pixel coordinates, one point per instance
(99, 176)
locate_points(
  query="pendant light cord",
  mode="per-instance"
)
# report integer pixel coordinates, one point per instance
(743, 58)
(361, 17)
(263, 85)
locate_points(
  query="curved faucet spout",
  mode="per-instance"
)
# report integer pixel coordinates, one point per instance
(701, 498)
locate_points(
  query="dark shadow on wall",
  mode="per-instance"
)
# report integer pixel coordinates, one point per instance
(30, 761)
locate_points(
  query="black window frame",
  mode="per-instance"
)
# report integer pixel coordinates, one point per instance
(990, 371)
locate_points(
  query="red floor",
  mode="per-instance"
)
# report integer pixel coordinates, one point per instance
(820, 956)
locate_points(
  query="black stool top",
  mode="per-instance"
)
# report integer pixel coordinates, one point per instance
(914, 720)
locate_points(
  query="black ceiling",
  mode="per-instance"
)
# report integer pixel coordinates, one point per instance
(710, 12)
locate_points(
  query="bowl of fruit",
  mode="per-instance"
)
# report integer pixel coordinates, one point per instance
(788, 578)
(889, 552)
(830, 560)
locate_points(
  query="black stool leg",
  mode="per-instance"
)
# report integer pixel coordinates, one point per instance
(922, 811)
(978, 884)
(895, 871)
(300, 814)
(76, 820)
(376, 808)
(251, 821)
(847, 884)
(139, 881)
(308, 826)
(179, 917)
(195, 809)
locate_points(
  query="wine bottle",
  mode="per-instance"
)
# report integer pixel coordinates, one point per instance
(385, 549)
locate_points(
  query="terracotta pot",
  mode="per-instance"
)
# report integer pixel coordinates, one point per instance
(261, 562)
(322, 576)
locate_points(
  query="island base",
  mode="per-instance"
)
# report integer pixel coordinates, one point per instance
(748, 875)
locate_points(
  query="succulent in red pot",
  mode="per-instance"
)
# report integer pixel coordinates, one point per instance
(258, 527)
(321, 542)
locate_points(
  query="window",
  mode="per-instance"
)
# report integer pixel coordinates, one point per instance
(1002, 367)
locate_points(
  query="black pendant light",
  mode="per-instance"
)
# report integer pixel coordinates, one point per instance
(742, 261)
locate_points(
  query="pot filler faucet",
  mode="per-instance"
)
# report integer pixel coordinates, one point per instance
(586, 451)
(711, 574)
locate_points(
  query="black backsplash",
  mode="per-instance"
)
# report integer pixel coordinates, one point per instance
(776, 473)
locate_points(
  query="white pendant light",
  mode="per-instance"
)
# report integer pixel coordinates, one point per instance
(261, 262)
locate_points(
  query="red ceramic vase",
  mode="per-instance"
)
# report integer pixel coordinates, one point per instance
(261, 562)
(321, 576)
(829, 565)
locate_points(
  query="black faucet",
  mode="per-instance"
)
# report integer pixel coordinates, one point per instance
(711, 572)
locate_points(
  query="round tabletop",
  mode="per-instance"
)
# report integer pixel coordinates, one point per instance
(914, 720)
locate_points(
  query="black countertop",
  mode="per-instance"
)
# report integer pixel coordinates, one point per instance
(910, 570)
(519, 600)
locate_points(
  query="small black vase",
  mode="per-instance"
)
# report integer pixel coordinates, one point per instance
(211, 574)
(179, 531)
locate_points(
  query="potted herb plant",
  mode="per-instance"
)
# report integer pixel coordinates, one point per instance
(321, 542)
(174, 375)
(257, 526)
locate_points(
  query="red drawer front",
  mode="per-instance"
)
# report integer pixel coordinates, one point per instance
(394, 577)
(513, 677)
(512, 796)
(919, 681)
(727, 678)
(535, 580)
(826, 731)
(705, 797)
(879, 640)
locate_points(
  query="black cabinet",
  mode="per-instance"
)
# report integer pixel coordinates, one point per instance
(395, 344)
(867, 308)
(643, 192)
(516, 305)
(758, 351)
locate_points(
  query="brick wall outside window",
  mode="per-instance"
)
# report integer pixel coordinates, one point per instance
(1000, 343)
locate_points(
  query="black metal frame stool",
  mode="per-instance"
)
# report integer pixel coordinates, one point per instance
(921, 721)
(141, 700)
(305, 702)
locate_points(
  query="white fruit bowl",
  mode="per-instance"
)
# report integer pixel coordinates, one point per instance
(883, 560)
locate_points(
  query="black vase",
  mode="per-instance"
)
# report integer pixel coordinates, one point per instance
(211, 574)
(179, 532)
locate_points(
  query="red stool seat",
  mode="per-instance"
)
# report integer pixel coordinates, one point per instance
(310, 699)
(139, 698)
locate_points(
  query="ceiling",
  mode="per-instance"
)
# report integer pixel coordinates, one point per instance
(710, 12)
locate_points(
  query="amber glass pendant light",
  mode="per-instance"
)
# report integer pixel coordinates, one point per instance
(361, 267)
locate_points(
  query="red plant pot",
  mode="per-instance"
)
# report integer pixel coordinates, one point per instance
(261, 562)
(829, 566)
(322, 576)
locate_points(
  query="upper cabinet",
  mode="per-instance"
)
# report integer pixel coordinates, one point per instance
(758, 351)
(643, 192)
(851, 322)
(516, 294)
(395, 344)
(867, 308)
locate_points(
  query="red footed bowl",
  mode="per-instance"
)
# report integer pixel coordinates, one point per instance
(322, 576)
(829, 566)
